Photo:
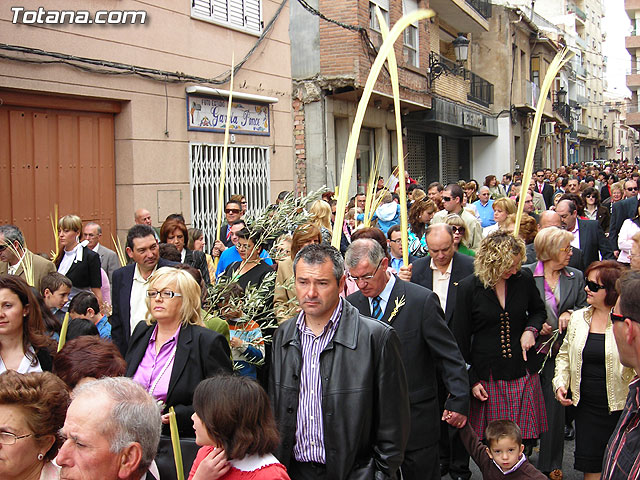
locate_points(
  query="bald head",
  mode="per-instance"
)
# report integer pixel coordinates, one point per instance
(549, 218)
(143, 217)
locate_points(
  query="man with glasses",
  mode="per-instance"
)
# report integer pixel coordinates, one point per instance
(415, 313)
(620, 211)
(452, 203)
(587, 234)
(231, 254)
(130, 284)
(337, 384)
(621, 458)
(232, 213)
(544, 188)
(14, 256)
(573, 186)
(394, 241)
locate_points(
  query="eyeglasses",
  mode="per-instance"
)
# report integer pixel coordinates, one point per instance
(446, 199)
(243, 246)
(3, 247)
(366, 278)
(457, 229)
(632, 189)
(7, 438)
(397, 241)
(593, 286)
(616, 317)
(232, 210)
(163, 293)
(566, 249)
(591, 195)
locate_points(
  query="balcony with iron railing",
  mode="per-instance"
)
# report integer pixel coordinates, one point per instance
(582, 129)
(580, 14)
(564, 110)
(483, 7)
(480, 91)
(464, 15)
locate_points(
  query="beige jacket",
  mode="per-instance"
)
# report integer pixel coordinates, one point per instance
(285, 302)
(569, 361)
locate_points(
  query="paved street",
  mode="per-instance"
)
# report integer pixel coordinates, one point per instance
(567, 469)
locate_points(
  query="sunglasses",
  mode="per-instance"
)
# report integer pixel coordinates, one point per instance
(457, 229)
(615, 317)
(232, 210)
(632, 189)
(446, 199)
(2, 247)
(593, 286)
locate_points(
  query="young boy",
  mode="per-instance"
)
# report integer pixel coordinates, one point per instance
(85, 305)
(55, 289)
(504, 455)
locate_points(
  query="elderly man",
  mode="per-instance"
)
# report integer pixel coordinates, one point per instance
(415, 313)
(621, 459)
(142, 216)
(337, 384)
(587, 234)
(14, 256)
(111, 432)
(484, 206)
(109, 262)
(452, 203)
(130, 283)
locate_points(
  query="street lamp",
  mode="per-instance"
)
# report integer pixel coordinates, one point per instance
(561, 95)
(439, 65)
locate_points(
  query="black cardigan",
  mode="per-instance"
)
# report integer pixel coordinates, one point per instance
(488, 336)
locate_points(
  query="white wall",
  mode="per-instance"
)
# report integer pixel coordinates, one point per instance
(492, 155)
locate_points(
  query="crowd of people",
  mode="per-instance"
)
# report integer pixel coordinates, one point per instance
(282, 357)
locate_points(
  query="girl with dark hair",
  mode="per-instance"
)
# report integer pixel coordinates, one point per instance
(593, 210)
(24, 346)
(236, 429)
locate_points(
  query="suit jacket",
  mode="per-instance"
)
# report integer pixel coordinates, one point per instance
(40, 266)
(538, 202)
(592, 241)
(121, 300)
(627, 208)
(425, 342)
(547, 193)
(86, 272)
(201, 353)
(422, 274)
(198, 260)
(108, 261)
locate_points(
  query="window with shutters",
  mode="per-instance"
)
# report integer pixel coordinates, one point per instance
(244, 15)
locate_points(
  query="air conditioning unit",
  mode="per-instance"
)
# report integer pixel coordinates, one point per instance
(547, 129)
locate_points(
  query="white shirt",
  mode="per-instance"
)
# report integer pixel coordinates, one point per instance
(95, 249)
(627, 231)
(138, 301)
(441, 282)
(384, 295)
(67, 260)
(183, 255)
(11, 269)
(576, 236)
(25, 364)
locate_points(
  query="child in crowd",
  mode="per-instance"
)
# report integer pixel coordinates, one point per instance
(504, 454)
(247, 344)
(85, 305)
(55, 289)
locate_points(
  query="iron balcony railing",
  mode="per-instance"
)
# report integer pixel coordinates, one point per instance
(481, 90)
(483, 7)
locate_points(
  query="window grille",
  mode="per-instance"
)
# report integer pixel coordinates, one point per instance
(247, 174)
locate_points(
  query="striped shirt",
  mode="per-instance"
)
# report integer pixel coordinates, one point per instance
(622, 458)
(309, 446)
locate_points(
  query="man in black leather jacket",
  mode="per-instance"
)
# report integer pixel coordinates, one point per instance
(337, 384)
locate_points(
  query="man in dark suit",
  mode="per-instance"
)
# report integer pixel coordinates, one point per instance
(426, 342)
(544, 188)
(588, 235)
(627, 208)
(449, 267)
(549, 218)
(129, 285)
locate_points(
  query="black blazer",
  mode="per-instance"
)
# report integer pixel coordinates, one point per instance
(85, 273)
(547, 193)
(592, 241)
(121, 300)
(198, 260)
(201, 353)
(422, 274)
(425, 342)
(479, 319)
(621, 210)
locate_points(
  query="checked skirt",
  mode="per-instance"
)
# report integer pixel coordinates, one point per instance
(519, 400)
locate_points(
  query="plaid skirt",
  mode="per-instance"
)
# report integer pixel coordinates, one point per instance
(519, 400)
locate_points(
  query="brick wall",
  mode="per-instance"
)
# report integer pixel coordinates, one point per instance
(300, 154)
(344, 52)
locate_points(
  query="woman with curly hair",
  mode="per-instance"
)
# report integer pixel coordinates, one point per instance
(498, 315)
(420, 214)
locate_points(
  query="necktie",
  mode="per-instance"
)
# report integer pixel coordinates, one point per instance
(228, 233)
(376, 311)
